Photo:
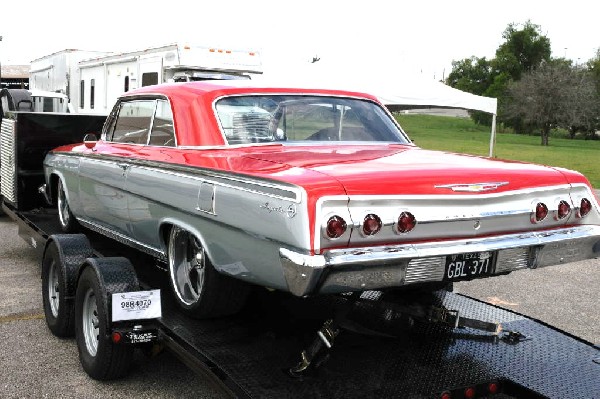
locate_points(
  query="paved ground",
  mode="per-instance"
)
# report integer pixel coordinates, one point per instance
(35, 364)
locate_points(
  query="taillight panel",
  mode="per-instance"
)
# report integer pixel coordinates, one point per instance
(372, 220)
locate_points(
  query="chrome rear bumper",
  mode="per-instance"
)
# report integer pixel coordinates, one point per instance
(343, 270)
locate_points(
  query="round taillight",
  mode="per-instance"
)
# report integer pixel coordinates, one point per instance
(585, 207)
(470, 393)
(493, 388)
(116, 337)
(446, 395)
(541, 211)
(371, 224)
(336, 226)
(563, 210)
(406, 222)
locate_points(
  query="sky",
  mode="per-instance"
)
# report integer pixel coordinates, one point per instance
(419, 37)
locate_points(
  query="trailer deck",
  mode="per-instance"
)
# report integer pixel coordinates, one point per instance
(380, 353)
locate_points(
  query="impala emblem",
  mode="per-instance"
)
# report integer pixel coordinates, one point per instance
(473, 187)
(290, 211)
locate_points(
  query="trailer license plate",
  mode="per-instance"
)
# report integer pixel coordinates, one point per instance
(469, 265)
(136, 305)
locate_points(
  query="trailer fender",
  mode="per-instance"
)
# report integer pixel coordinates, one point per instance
(114, 274)
(99, 278)
(63, 256)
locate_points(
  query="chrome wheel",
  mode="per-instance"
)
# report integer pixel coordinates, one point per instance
(90, 322)
(187, 261)
(64, 213)
(53, 289)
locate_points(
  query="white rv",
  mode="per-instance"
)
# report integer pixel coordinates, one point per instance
(58, 72)
(95, 81)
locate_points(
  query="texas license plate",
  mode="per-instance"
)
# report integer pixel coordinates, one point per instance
(469, 265)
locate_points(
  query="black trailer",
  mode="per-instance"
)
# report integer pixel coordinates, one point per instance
(371, 344)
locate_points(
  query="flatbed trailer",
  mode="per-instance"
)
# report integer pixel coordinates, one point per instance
(382, 350)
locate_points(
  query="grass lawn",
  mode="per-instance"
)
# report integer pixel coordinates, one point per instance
(464, 136)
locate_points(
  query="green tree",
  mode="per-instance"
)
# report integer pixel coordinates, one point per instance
(524, 49)
(473, 75)
(593, 66)
(555, 94)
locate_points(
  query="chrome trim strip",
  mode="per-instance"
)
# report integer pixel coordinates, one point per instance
(481, 215)
(123, 239)
(466, 196)
(546, 248)
(266, 187)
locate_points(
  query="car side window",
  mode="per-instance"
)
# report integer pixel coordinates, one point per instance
(133, 122)
(162, 133)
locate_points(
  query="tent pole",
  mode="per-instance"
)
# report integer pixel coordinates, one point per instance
(493, 137)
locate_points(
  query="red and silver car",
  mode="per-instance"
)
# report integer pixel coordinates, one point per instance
(236, 184)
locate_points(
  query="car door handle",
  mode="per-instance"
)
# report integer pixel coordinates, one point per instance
(124, 166)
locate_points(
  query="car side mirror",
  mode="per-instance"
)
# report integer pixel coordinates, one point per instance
(90, 140)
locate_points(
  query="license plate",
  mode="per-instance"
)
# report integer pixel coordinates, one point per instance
(469, 265)
(136, 305)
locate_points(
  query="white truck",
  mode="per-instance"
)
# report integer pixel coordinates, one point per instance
(93, 80)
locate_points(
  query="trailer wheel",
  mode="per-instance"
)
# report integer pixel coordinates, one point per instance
(67, 221)
(199, 289)
(62, 258)
(100, 278)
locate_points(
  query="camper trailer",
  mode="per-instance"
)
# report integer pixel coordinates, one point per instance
(94, 80)
(58, 72)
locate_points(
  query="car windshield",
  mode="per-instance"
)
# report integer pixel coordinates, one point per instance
(293, 118)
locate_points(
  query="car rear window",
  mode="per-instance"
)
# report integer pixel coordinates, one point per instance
(271, 118)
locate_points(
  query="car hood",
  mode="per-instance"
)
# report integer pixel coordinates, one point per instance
(393, 170)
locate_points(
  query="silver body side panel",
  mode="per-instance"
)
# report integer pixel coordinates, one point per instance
(242, 223)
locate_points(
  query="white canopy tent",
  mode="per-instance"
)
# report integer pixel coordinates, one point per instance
(393, 88)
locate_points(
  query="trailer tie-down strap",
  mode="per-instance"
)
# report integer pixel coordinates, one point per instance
(453, 319)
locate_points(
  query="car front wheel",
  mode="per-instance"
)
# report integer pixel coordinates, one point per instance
(199, 289)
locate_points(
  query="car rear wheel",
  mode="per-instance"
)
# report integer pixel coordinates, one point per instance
(68, 223)
(199, 289)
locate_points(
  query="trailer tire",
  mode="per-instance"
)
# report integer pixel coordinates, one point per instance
(100, 278)
(199, 289)
(66, 219)
(62, 258)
